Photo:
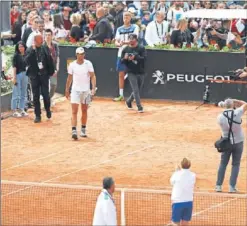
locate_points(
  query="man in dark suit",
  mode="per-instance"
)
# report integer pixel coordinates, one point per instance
(40, 68)
(102, 30)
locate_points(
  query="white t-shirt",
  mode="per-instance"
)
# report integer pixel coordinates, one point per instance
(80, 74)
(183, 182)
(174, 15)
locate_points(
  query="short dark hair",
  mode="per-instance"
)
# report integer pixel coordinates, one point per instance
(133, 36)
(108, 182)
(48, 31)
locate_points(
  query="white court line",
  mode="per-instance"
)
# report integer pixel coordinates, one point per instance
(208, 209)
(34, 160)
(85, 168)
(213, 207)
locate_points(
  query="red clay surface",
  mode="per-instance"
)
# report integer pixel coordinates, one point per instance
(138, 150)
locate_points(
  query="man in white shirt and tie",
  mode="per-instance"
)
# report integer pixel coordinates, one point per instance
(157, 30)
(105, 211)
(183, 182)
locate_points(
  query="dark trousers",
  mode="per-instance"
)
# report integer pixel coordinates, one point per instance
(40, 84)
(136, 82)
(236, 154)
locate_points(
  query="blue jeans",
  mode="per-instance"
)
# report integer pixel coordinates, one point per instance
(236, 152)
(19, 95)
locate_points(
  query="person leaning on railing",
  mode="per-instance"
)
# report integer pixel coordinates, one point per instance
(183, 182)
(236, 139)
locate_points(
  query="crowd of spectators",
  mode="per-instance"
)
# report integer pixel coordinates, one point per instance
(159, 22)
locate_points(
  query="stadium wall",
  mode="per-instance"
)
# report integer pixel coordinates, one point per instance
(173, 75)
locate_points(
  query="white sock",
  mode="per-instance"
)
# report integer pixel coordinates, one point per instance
(121, 92)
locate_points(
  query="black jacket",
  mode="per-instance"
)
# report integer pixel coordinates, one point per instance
(31, 60)
(102, 30)
(137, 66)
(26, 34)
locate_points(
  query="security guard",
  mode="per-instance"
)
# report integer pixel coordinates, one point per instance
(105, 211)
(40, 68)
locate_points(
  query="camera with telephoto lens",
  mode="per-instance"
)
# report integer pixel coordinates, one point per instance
(234, 75)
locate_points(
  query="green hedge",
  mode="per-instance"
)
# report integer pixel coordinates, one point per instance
(7, 85)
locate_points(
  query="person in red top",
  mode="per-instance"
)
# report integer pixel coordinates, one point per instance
(14, 14)
(66, 18)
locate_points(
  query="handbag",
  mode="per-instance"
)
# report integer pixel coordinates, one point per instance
(224, 143)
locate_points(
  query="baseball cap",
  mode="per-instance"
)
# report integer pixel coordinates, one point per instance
(79, 50)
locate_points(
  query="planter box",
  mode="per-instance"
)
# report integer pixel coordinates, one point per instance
(6, 102)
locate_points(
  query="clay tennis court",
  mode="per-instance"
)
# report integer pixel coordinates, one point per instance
(139, 150)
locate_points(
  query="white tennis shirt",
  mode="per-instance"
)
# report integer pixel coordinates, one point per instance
(80, 74)
(183, 182)
(105, 211)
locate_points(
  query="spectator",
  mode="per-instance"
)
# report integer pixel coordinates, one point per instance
(40, 68)
(183, 182)
(54, 50)
(30, 5)
(174, 14)
(30, 32)
(92, 23)
(35, 30)
(236, 139)
(161, 6)
(221, 5)
(14, 14)
(38, 7)
(59, 32)
(80, 7)
(105, 211)
(144, 8)
(181, 36)
(20, 81)
(24, 7)
(16, 29)
(30, 16)
(146, 19)
(54, 8)
(121, 41)
(76, 33)
(41, 28)
(119, 15)
(157, 31)
(208, 5)
(47, 20)
(66, 18)
(102, 31)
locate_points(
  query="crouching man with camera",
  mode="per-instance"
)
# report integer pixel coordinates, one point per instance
(134, 57)
(231, 142)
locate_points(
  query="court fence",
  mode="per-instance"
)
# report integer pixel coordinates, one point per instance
(27, 203)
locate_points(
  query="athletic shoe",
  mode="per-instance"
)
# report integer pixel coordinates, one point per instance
(74, 135)
(117, 99)
(218, 188)
(129, 105)
(232, 190)
(16, 114)
(140, 109)
(24, 114)
(37, 120)
(83, 133)
(48, 114)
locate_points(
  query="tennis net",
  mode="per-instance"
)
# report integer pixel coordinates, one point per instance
(26, 203)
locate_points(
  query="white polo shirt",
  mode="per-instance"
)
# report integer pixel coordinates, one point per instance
(80, 74)
(183, 182)
(105, 211)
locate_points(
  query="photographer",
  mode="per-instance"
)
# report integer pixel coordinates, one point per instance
(134, 56)
(236, 139)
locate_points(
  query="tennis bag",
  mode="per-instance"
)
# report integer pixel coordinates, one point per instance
(224, 143)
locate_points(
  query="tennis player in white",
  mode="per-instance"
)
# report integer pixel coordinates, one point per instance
(81, 72)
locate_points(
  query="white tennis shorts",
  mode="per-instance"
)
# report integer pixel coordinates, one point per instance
(80, 97)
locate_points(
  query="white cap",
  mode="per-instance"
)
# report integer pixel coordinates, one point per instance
(79, 50)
